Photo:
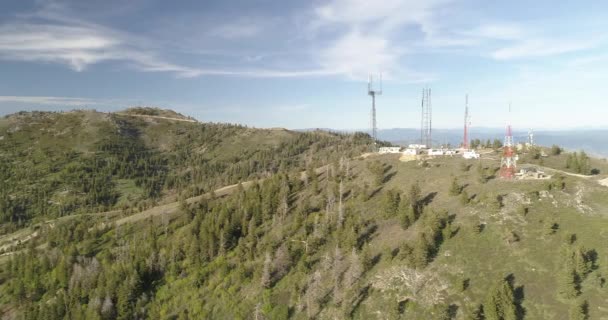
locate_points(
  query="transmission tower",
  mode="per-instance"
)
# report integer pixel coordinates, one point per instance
(467, 123)
(530, 137)
(508, 163)
(373, 92)
(426, 119)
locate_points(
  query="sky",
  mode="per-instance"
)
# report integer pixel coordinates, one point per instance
(306, 64)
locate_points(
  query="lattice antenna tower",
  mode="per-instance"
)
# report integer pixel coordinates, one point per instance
(508, 163)
(467, 123)
(373, 91)
(426, 119)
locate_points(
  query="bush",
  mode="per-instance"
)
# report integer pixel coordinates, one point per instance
(556, 150)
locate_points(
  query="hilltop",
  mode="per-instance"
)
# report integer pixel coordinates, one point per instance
(227, 222)
(84, 161)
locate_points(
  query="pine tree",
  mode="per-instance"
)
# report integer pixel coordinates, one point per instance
(420, 253)
(455, 188)
(413, 196)
(366, 257)
(476, 314)
(282, 261)
(568, 283)
(355, 269)
(390, 203)
(266, 280)
(579, 311)
(124, 301)
(500, 302)
(581, 262)
(464, 197)
(406, 213)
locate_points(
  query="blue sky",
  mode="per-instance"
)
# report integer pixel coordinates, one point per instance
(304, 64)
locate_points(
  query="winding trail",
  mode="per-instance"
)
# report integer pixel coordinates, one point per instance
(568, 173)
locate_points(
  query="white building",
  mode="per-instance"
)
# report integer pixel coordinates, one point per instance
(436, 152)
(410, 152)
(417, 146)
(450, 152)
(384, 150)
(470, 154)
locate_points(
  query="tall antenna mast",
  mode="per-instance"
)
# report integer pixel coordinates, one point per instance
(467, 122)
(508, 163)
(422, 142)
(430, 137)
(426, 120)
(373, 92)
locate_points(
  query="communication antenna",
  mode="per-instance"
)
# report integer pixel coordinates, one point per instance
(373, 92)
(426, 121)
(467, 123)
(508, 163)
(531, 137)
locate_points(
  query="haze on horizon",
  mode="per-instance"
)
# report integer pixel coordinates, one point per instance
(302, 64)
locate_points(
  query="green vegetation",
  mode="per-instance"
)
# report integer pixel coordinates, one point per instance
(86, 161)
(579, 163)
(313, 230)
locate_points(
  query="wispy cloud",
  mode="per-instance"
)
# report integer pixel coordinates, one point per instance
(244, 28)
(356, 55)
(532, 48)
(53, 38)
(61, 101)
(341, 38)
(496, 31)
(367, 42)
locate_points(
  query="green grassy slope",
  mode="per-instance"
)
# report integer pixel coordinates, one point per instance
(287, 249)
(56, 164)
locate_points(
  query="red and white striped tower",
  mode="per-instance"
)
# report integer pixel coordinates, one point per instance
(508, 163)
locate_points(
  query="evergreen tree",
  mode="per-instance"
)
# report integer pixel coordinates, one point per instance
(266, 275)
(390, 203)
(476, 314)
(568, 282)
(414, 198)
(455, 188)
(579, 311)
(464, 198)
(406, 213)
(420, 253)
(500, 302)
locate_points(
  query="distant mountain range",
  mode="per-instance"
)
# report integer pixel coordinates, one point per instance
(592, 141)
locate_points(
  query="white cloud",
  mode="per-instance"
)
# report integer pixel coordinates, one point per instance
(387, 15)
(531, 48)
(238, 29)
(498, 31)
(367, 42)
(61, 101)
(46, 100)
(76, 46)
(79, 46)
(349, 38)
(356, 55)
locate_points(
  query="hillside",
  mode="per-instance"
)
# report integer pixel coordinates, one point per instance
(56, 164)
(271, 224)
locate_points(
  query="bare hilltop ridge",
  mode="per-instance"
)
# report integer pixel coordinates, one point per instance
(146, 213)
